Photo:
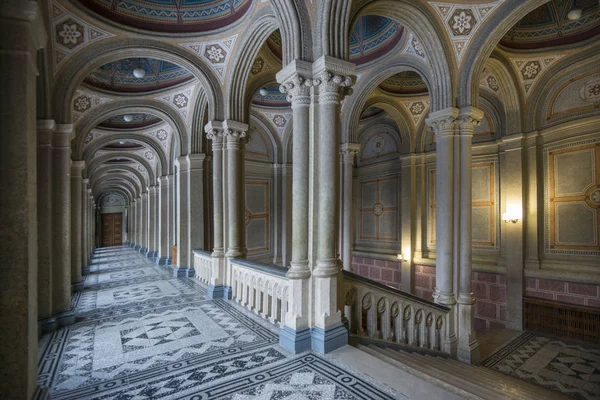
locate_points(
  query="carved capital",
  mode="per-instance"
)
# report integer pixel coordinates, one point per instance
(332, 84)
(468, 119)
(297, 89)
(443, 122)
(348, 151)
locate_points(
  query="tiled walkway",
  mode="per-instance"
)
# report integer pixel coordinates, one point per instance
(142, 334)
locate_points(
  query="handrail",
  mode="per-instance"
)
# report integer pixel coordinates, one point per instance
(394, 291)
(263, 267)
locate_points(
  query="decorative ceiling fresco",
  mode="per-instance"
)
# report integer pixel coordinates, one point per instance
(175, 16)
(274, 44)
(404, 83)
(373, 36)
(118, 76)
(138, 120)
(548, 25)
(273, 98)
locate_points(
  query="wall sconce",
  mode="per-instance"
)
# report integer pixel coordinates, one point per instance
(513, 214)
(401, 258)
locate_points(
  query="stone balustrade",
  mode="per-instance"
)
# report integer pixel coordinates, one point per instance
(261, 288)
(203, 263)
(378, 311)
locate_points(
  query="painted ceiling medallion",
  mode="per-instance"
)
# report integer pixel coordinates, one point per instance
(529, 70)
(373, 36)
(549, 25)
(378, 209)
(84, 101)
(279, 120)
(71, 34)
(417, 109)
(215, 54)
(180, 100)
(176, 16)
(118, 76)
(489, 81)
(461, 21)
(590, 91)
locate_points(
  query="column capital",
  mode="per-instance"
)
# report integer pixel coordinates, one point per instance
(144, 195)
(297, 89)
(45, 124)
(45, 128)
(62, 135)
(214, 132)
(349, 151)
(77, 167)
(234, 133)
(333, 77)
(85, 181)
(442, 122)
(197, 160)
(468, 118)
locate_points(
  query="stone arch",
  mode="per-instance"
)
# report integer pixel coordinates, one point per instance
(400, 117)
(132, 137)
(101, 167)
(198, 121)
(509, 91)
(100, 53)
(273, 137)
(128, 156)
(108, 110)
(440, 75)
(355, 105)
(295, 27)
(238, 96)
(120, 178)
(333, 18)
(493, 109)
(286, 149)
(484, 42)
(112, 186)
(105, 193)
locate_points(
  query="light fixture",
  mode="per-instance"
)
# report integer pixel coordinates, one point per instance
(575, 13)
(399, 257)
(513, 214)
(139, 73)
(263, 92)
(128, 118)
(121, 142)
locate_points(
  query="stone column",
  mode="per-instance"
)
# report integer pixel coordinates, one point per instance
(348, 152)
(295, 335)
(468, 347)
(92, 224)
(61, 224)
(152, 223)
(182, 266)
(138, 224)
(85, 269)
(163, 222)
(333, 82)
(408, 221)
(217, 288)
(443, 124)
(196, 205)
(278, 212)
(76, 213)
(144, 223)
(235, 134)
(133, 231)
(44, 225)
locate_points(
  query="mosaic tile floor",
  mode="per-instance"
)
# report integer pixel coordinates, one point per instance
(554, 364)
(142, 334)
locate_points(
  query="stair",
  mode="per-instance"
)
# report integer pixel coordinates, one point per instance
(466, 381)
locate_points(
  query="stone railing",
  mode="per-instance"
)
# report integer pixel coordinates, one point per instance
(378, 311)
(261, 288)
(203, 263)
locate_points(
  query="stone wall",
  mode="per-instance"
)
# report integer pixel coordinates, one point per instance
(383, 271)
(564, 292)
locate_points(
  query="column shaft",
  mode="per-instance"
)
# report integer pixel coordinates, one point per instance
(84, 226)
(76, 213)
(152, 214)
(163, 223)
(196, 205)
(182, 266)
(349, 151)
(235, 181)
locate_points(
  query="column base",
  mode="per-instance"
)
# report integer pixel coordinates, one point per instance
(48, 325)
(65, 318)
(162, 260)
(295, 341)
(137, 247)
(215, 292)
(132, 245)
(326, 340)
(180, 272)
(77, 287)
(143, 250)
(191, 272)
(228, 293)
(152, 254)
(469, 353)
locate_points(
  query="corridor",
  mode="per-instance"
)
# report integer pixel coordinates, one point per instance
(142, 334)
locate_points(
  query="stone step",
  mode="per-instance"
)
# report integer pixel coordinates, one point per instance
(477, 381)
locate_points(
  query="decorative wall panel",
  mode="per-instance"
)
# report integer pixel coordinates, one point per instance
(572, 198)
(258, 216)
(378, 209)
(484, 204)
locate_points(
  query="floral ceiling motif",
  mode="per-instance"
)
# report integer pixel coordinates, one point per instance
(215, 54)
(413, 47)
(181, 100)
(417, 109)
(171, 15)
(84, 101)
(461, 21)
(489, 81)
(278, 120)
(71, 34)
(529, 70)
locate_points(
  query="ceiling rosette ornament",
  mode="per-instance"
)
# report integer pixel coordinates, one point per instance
(462, 21)
(216, 54)
(530, 69)
(181, 100)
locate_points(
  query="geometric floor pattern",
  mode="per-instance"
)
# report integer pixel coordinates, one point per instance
(142, 334)
(572, 369)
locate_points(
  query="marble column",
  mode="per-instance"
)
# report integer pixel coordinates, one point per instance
(217, 288)
(234, 135)
(196, 203)
(144, 223)
(468, 347)
(333, 83)
(296, 83)
(348, 152)
(44, 225)
(163, 221)
(22, 33)
(76, 213)
(152, 221)
(61, 224)
(85, 269)
(443, 124)
(182, 266)
(138, 224)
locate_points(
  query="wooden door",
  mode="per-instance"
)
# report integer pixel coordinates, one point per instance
(112, 229)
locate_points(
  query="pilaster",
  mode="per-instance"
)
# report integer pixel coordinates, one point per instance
(348, 153)
(182, 265)
(164, 255)
(76, 213)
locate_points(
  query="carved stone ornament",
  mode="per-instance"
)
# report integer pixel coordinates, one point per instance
(395, 309)
(330, 83)
(419, 316)
(366, 301)
(439, 322)
(216, 135)
(350, 297)
(429, 319)
(381, 306)
(296, 88)
(407, 313)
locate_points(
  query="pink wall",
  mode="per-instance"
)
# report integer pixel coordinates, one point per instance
(386, 272)
(565, 292)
